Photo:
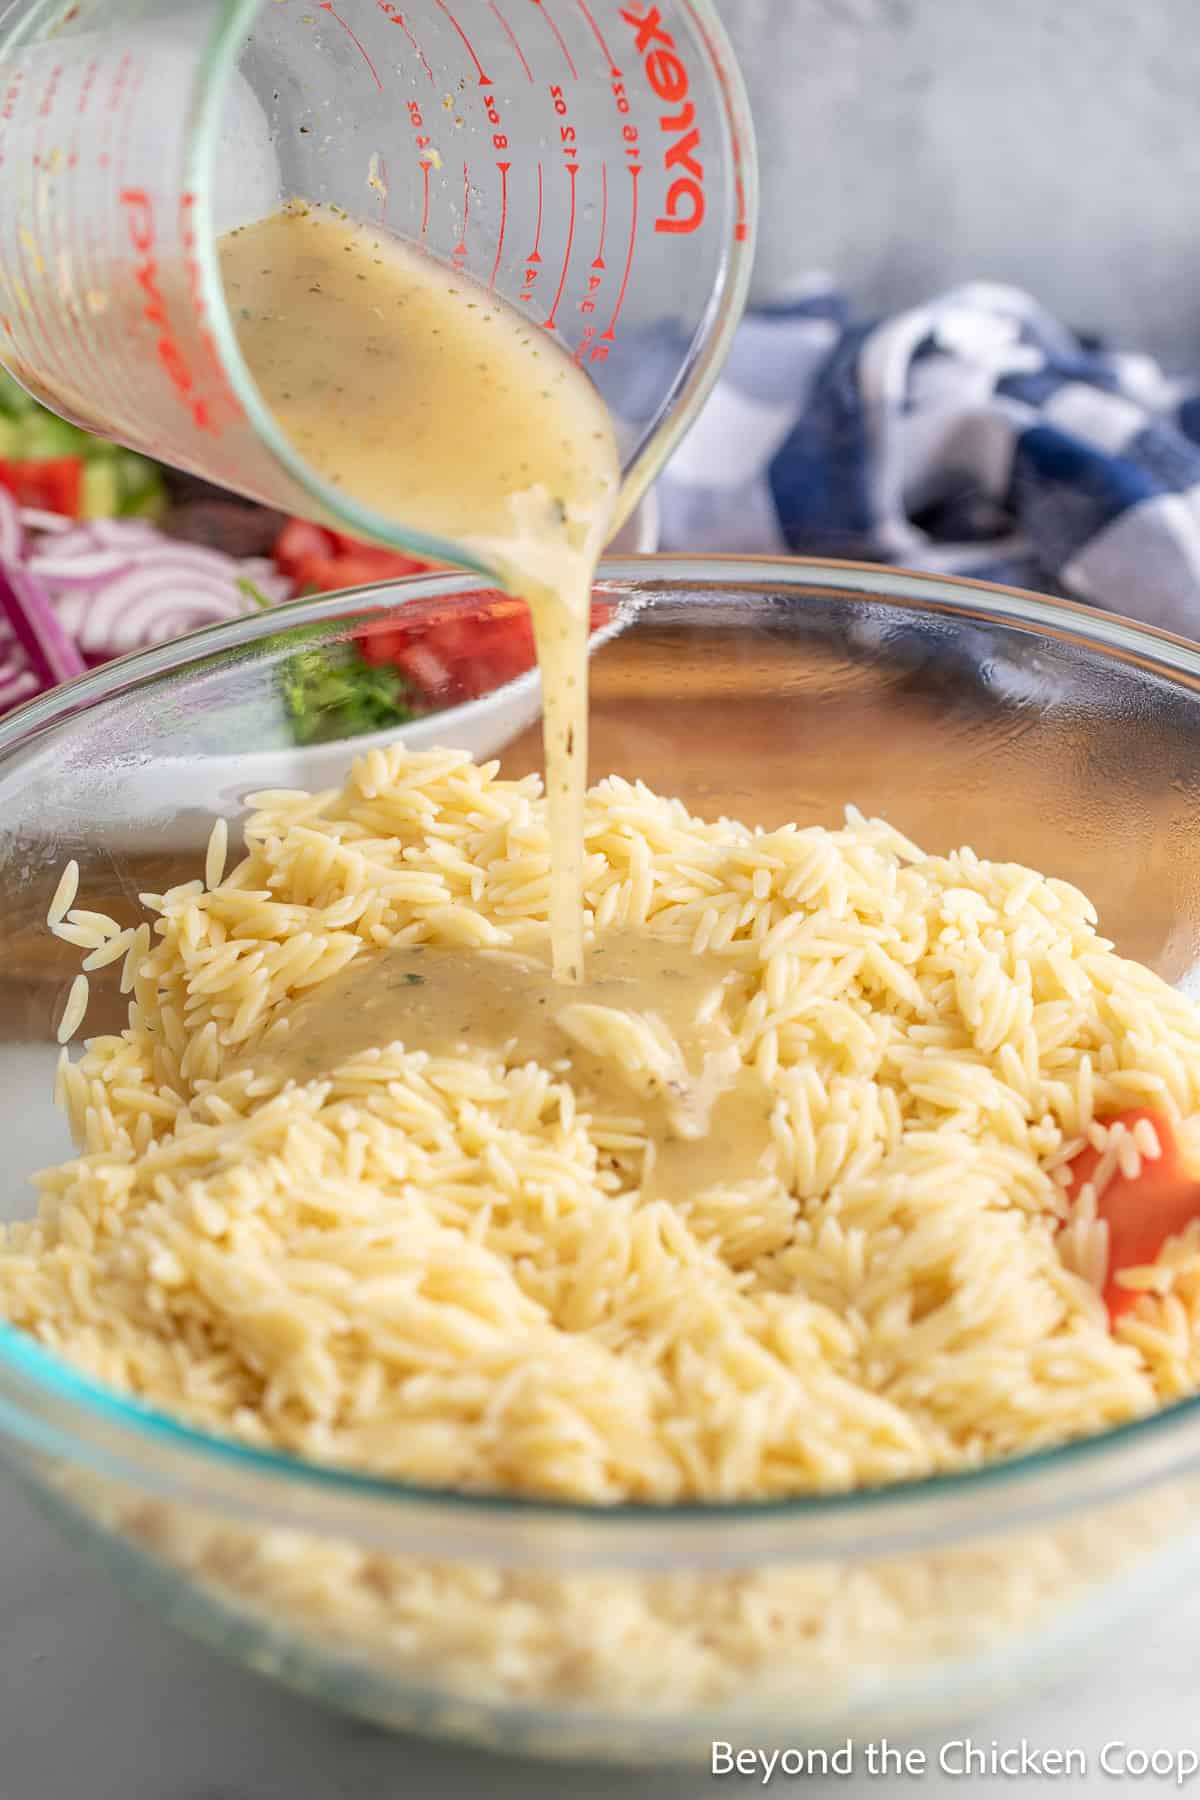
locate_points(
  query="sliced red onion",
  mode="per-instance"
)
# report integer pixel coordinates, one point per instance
(148, 606)
(173, 589)
(31, 614)
(125, 532)
(82, 547)
(77, 593)
(84, 543)
(62, 569)
(17, 680)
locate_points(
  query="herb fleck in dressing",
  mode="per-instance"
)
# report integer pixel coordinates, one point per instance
(646, 1039)
(423, 396)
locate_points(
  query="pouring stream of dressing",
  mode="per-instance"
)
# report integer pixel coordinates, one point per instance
(424, 396)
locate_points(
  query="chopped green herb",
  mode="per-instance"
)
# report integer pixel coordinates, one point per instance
(334, 693)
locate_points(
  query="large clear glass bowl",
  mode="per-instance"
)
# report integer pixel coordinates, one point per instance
(772, 691)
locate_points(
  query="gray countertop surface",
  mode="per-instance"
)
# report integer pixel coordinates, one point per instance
(99, 1701)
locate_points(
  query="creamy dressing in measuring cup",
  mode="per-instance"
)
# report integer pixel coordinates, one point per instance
(548, 211)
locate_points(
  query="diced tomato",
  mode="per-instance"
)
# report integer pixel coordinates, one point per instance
(327, 561)
(472, 653)
(359, 568)
(459, 657)
(298, 543)
(397, 562)
(425, 669)
(1142, 1213)
(54, 485)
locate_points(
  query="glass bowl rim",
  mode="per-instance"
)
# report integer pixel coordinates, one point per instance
(1037, 1484)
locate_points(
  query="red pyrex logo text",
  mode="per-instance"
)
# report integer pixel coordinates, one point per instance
(684, 209)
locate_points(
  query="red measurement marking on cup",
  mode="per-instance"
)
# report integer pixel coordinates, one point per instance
(328, 6)
(142, 226)
(511, 36)
(134, 82)
(569, 145)
(87, 85)
(596, 274)
(566, 131)
(503, 168)
(116, 95)
(119, 81)
(48, 98)
(416, 119)
(609, 336)
(551, 320)
(8, 106)
(559, 39)
(589, 347)
(634, 152)
(458, 254)
(500, 143)
(611, 60)
(499, 138)
(484, 80)
(103, 157)
(393, 13)
(11, 96)
(598, 261)
(534, 259)
(86, 88)
(231, 406)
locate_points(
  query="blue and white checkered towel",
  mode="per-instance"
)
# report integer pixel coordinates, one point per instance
(975, 435)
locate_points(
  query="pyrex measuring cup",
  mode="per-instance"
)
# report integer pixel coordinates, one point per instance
(590, 160)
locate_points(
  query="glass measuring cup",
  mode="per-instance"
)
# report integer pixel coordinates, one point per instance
(591, 161)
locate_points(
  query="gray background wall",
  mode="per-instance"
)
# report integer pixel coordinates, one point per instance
(907, 144)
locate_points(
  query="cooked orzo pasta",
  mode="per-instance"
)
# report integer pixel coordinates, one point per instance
(808, 1187)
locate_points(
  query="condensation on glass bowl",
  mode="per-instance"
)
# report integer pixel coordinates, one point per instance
(767, 691)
